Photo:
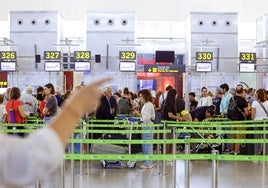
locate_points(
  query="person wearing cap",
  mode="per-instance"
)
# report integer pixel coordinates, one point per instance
(29, 102)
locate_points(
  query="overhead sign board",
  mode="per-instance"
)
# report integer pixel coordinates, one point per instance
(52, 55)
(247, 57)
(204, 56)
(82, 56)
(164, 68)
(127, 55)
(8, 56)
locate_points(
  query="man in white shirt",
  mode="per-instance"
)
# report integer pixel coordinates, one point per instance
(29, 101)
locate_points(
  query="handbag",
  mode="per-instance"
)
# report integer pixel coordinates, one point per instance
(11, 114)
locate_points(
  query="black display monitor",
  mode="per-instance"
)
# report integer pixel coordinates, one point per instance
(164, 56)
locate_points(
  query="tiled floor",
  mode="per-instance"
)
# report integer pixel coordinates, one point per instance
(230, 175)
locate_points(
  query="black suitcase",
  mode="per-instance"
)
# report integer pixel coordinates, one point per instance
(247, 149)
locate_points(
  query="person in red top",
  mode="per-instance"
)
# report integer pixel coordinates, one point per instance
(19, 112)
(42, 106)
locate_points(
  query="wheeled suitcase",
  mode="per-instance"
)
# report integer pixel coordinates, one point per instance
(113, 149)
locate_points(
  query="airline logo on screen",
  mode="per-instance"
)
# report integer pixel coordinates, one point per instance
(8, 56)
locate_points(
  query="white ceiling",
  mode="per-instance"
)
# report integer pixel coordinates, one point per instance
(146, 10)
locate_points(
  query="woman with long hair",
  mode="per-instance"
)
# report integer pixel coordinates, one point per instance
(147, 115)
(51, 106)
(170, 113)
(259, 110)
(205, 99)
(15, 110)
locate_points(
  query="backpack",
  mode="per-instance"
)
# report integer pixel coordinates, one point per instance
(233, 111)
(123, 106)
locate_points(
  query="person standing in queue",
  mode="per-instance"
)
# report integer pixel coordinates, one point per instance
(51, 106)
(170, 114)
(147, 115)
(205, 99)
(192, 100)
(15, 111)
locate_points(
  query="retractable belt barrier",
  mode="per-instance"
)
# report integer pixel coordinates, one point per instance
(123, 127)
(30, 128)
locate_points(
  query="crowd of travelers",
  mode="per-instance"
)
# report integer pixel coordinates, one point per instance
(150, 106)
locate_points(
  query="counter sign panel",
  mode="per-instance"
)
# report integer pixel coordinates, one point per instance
(247, 57)
(127, 55)
(6, 56)
(82, 56)
(204, 56)
(52, 55)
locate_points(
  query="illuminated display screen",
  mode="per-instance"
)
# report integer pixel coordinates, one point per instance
(52, 55)
(204, 56)
(127, 66)
(247, 57)
(203, 67)
(247, 67)
(82, 66)
(52, 66)
(8, 66)
(164, 68)
(82, 56)
(127, 55)
(8, 56)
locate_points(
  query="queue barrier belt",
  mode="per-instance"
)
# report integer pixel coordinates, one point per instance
(219, 132)
(168, 141)
(153, 141)
(165, 157)
(155, 156)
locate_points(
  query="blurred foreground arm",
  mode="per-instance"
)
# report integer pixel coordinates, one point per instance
(84, 101)
(23, 161)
